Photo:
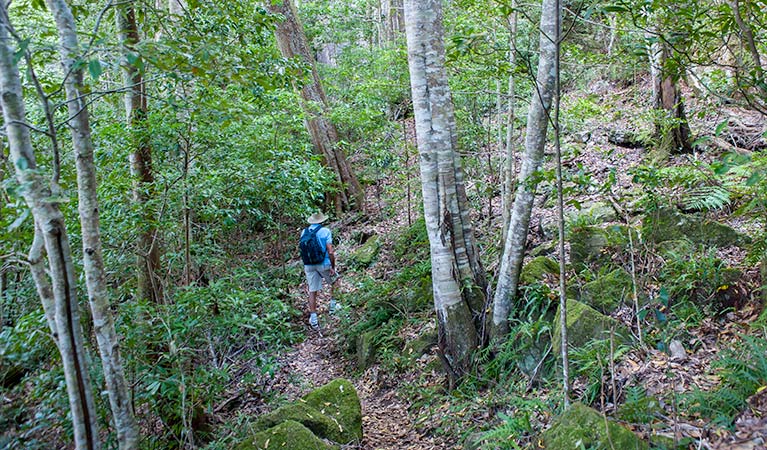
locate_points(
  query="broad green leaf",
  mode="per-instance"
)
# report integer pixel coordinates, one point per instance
(721, 127)
(23, 45)
(19, 220)
(94, 68)
(614, 8)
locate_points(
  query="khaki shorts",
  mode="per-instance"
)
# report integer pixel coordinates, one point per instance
(315, 274)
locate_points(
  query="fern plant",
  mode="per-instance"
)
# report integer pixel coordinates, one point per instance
(592, 362)
(706, 198)
(743, 370)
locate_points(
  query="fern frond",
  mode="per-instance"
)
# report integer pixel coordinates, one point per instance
(706, 198)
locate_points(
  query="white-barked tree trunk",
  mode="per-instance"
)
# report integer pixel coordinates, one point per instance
(88, 208)
(457, 276)
(535, 141)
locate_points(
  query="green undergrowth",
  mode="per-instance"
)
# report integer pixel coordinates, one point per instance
(240, 314)
(743, 372)
(382, 307)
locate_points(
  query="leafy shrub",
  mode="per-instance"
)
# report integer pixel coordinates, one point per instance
(181, 352)
(701, 278)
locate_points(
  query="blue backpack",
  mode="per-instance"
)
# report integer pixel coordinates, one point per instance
(312, 252)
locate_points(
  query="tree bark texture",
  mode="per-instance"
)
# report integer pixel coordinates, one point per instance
(747, 36)
(49, 223)
(149, 282)
(509, 166)
(535, 141)
(672, 129)
(457, 276)
(93, 263)
(291, 40)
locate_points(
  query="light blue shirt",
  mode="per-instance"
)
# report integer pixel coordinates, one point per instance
(325, 237)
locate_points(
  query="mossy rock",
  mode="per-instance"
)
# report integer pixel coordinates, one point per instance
(587, 245)
(537, 268)
(546, 248)
(420, 346)
(308, 416)
(594, 213)
(339, 401)
(585, 323)
(668, 224)
(366, 350)
(366, 253)
(289, 435)
(607, 292)
(581, 424)
(418, 294)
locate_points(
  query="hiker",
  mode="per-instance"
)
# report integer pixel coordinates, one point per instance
(319, 259)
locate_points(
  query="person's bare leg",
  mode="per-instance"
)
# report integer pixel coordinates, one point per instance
(312, 302)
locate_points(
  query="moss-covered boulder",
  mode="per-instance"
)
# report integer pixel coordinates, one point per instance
(288, 435)
(668, 224)
(413, 244)
(308, 416)
(339, 401)
(585, 323)
(418, 347)
(583, 427)
(366, 253)
(607, 292)
(537, 268)
(587, 245)
(366, 350)
(596, 212)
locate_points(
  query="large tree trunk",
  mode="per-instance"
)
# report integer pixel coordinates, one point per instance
(672, 129)
(292, 43)
(149, 282)
(535, 141)
(93, 264)
(49, 224)
(457, 276)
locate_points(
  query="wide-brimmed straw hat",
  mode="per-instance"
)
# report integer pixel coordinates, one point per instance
(317, 217)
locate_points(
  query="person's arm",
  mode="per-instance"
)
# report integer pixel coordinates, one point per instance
(332, 256)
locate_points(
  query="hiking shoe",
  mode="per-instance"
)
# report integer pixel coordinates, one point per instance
(313, 322)
(334, 306)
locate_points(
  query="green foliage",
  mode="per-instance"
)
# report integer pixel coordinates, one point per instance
(181, 351)
(385, 306)
(743, 371)
(638, 407)
(706, 198)
(592, 362)
(698, 276)
(696, 186)
(516, 425)
(28, 343)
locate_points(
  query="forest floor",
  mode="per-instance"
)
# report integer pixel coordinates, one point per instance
(386, 420)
